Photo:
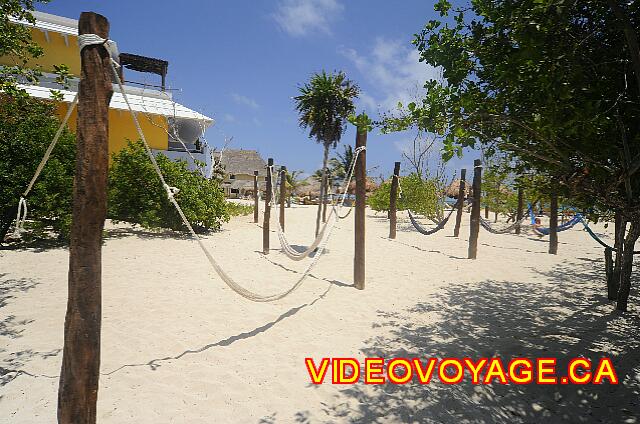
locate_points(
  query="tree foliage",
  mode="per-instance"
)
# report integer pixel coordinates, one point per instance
(549, 81)
(27, 127)
(418, 195)
(136, 194)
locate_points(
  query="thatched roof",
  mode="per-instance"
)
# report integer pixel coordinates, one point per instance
(243, 162)
(454, 188)
(308, 187)
(370, 186)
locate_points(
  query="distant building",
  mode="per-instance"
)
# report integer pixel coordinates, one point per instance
(239, 167)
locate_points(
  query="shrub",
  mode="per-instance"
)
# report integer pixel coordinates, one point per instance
(419, 196)
(27, 127)
(238, 209)
(136, 194)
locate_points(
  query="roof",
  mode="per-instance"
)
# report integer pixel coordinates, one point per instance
(243, 162)
(54, 23)
(145, 101)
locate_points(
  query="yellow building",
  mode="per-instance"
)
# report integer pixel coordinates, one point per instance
(167, 125)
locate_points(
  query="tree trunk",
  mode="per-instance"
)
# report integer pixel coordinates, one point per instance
(474, 226)
(79, 375)
(553, 225)
(461, 195)
(620, 229)
(393, 196)
(323, 188)
(627, 265)
(495, 218)
(486, 212)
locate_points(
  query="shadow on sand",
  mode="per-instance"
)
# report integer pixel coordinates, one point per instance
(566, 317)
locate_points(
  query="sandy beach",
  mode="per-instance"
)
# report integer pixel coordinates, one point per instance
(178, 346)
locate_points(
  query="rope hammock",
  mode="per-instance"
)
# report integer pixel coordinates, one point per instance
(92, 39)
(487, 225)
(544, 231)
(439, 225)
(599, 240)
(287, 249)
(434, 230)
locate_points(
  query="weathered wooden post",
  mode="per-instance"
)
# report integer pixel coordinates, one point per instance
(553, 224)
(361, 204)
(393, 213)
(283, 193)
(256, 195)
(520, 211)
(267, 209)
(461, 193)
(79, 375)
(475, 209)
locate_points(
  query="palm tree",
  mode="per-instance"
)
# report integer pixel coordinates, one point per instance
(323, 105)
(341, 163)
(293, 182)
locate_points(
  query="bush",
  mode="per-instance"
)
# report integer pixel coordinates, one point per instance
(238, 209)
(419, 196)
(27, 127)
(136, 194)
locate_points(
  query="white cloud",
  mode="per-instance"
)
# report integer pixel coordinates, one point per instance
(302, 17)
(395, 72)
(245, 101)
(229, 117)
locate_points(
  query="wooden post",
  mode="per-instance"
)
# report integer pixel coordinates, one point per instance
(283, 193)
(78, 386)
(361, 204)
(393, 215)
(267, 210)
(520, 210)
(255, 196)
(475, 209)
(553, 225)
(461, 193)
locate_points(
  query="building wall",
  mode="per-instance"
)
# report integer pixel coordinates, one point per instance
(56, 52)
(122, 128)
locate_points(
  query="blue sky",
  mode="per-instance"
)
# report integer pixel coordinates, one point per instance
(240, 62)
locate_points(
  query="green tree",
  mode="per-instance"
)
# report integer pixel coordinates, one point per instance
(418, 195)
(27, 127)
(324, 105)
(16, 44)
(555, 83)
(293, 183)
(136, 194)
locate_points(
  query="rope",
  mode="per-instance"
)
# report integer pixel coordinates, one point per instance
(599, 240)
(434, 230)
(247, 294)
(287, 249)
(544, 231)
(439, 226)
(22, 203)
(487, 226)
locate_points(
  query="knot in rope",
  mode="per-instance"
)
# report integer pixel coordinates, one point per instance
(85, 40)
(21, 217)
(171, 191)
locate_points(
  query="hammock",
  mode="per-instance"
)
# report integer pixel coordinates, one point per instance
(544, 231)
(599, 240)
(487, 226)
(434, 230)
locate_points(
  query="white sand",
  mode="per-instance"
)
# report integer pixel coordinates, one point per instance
(178, 346)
